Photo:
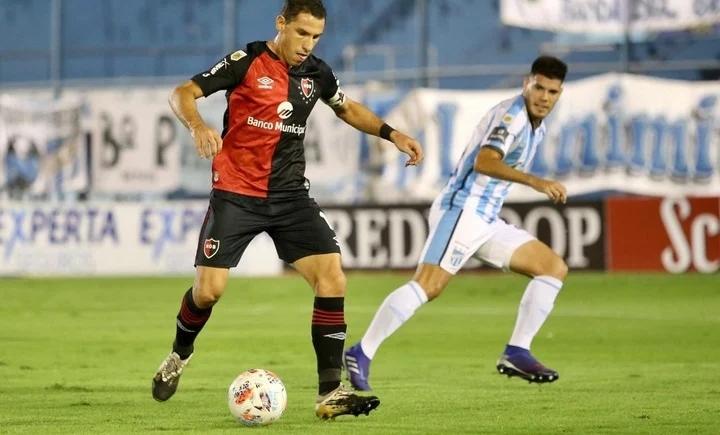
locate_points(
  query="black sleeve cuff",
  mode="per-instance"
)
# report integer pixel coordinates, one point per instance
(496, 148)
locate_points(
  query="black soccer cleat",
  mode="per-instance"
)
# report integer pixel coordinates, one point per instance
(167, 378)
(342, 401)
(525, 366)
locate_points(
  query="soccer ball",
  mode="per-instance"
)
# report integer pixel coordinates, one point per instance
(257, 397)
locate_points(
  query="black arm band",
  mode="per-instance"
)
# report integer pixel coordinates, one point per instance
(386, 131)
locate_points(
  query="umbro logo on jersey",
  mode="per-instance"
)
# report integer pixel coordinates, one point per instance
(336, 336)
(265, 82)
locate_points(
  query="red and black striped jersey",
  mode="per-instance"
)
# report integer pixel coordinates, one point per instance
(268, 103)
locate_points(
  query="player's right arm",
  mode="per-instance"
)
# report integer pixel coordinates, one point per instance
(208, 142)
(489, 162)
(224, 75)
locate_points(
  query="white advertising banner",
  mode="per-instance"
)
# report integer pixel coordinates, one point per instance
(608, 133)
(608, 16)
(139, 147)
(135, 141)
(103, 238)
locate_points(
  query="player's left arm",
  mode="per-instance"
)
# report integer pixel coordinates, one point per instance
(363, 119)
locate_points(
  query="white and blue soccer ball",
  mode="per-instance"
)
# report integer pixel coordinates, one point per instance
(257, 397)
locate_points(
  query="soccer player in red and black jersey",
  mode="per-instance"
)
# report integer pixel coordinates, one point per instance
(259, 185)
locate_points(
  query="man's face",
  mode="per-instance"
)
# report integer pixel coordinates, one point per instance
(297, 38)
(541, 94)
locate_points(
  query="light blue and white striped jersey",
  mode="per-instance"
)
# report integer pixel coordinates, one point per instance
(507, 128)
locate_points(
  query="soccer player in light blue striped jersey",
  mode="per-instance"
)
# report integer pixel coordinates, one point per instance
(464, 222)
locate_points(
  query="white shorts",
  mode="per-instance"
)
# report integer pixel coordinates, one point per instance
(457, 234)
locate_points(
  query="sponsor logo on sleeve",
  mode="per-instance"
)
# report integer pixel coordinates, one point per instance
(222, 64)
(499, 133)
(237, 55)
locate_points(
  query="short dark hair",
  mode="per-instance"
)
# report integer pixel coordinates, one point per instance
(549, 66)
(293, 8)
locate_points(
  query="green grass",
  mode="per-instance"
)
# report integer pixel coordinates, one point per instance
(637, 354)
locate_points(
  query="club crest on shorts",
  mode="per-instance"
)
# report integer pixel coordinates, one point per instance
(456, 258)
(307, 86)
(211, 247)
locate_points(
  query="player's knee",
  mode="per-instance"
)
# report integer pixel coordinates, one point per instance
(208, 291)
(556, 267)
(331, 284)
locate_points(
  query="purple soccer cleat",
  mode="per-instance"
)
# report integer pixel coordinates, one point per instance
(517, 361)
(358, 367)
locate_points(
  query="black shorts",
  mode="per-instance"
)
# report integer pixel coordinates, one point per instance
(297, 227)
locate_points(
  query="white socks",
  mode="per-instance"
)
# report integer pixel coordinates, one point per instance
(395, 310)
(535, 306)
(401, 304)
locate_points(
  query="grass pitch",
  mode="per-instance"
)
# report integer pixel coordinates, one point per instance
(637, 354)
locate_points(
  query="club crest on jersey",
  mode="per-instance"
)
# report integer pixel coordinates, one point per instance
(211, 247)
(307, 86)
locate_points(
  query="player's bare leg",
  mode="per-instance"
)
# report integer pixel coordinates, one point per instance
(195, 309)
(548, 270)
(325, 276)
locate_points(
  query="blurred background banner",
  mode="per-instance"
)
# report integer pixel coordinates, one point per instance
(609, 16)
(42, 148)
(135, 141)
(612, 132)
(105, 238)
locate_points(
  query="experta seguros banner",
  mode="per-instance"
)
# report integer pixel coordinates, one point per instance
(102, 238)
